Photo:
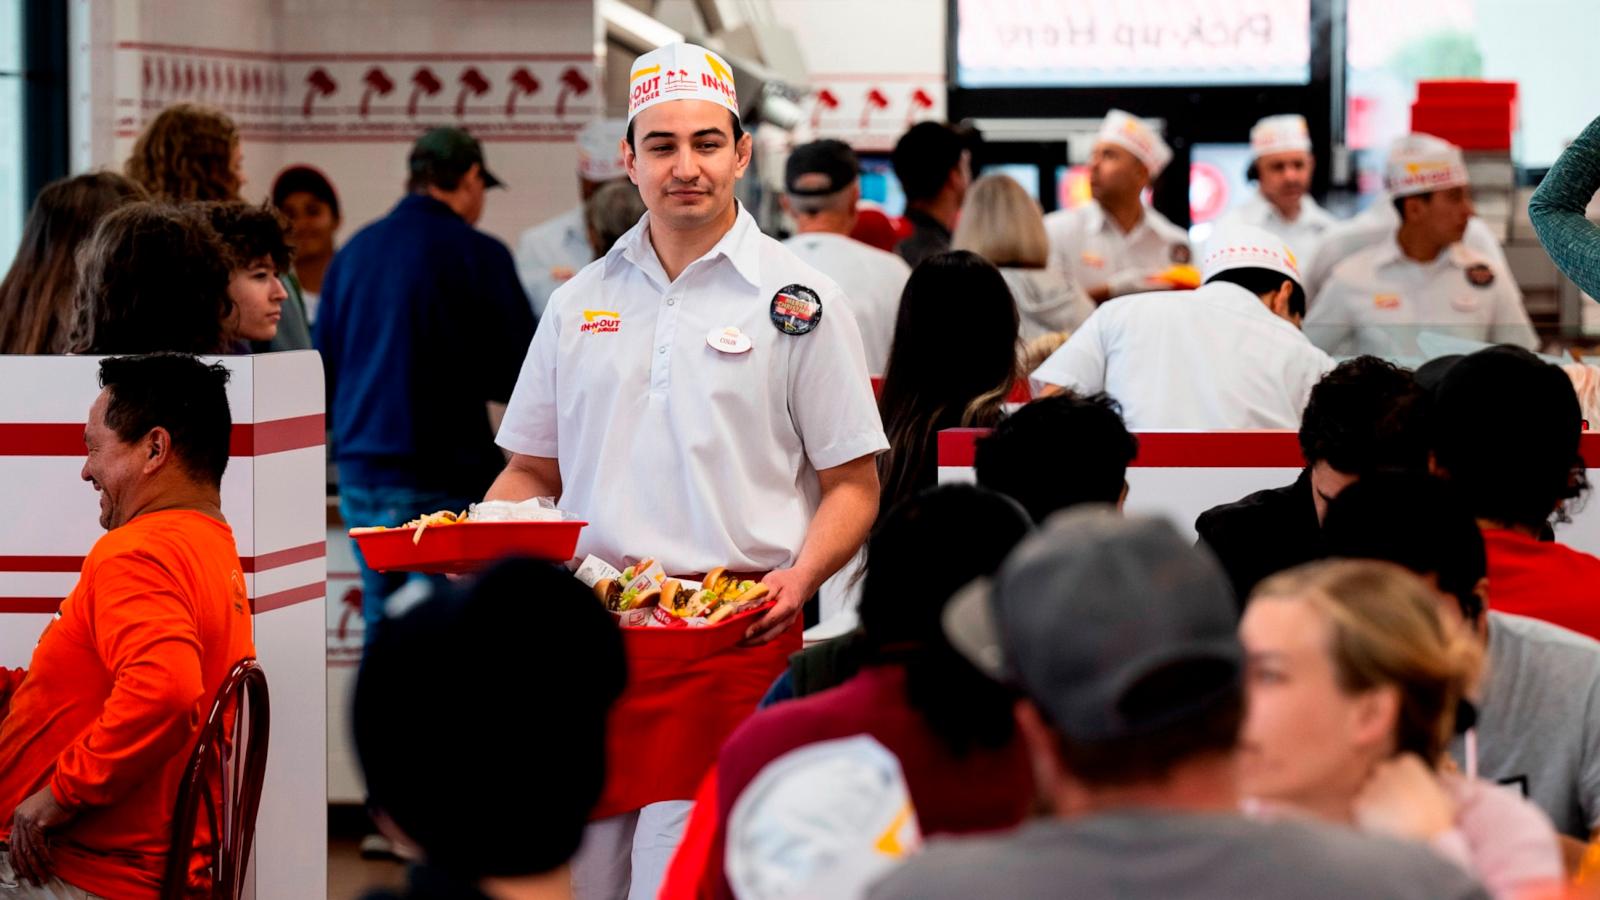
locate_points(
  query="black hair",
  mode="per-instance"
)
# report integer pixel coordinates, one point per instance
(925, 156)
(951, 365)
(1265, 281)
(1366, 414)
(1211, 689)
(480, 797)
(969, 531)
(1253, 171)
(738, 129)
(154, 278)
(179, 393)
(304, 180)
(1416, 521)
(1058, 452)
(1505, 428)
(250, 232)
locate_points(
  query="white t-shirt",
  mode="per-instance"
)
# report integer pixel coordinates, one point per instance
(1379, 301)
(1303, 235)
(675, 450)
(872, 279)
(1093, 250)
(1210, 359)
(1374, 225)
(550, 253)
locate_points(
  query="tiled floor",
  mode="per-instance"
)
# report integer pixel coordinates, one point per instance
(350, 876)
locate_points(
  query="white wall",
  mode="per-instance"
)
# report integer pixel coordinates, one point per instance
(1549, 47)
(257, 60)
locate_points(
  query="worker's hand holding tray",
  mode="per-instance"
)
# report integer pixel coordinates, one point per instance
(450, 543)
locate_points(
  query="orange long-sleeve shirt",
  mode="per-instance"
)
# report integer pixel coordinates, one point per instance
(112, 701)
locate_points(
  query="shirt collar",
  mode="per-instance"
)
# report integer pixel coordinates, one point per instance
(741, 246)
(1098, 220)
(1456, 254)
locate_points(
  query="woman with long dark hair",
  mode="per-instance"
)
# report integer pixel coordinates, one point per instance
(952, 364)
(950, 726)
(37, 296)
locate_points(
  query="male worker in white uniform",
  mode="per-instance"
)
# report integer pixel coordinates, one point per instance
(1116, 245)
(1281, 165)
(1228, 355)
(1422, 278)
(821, 189)
(553, 251)
(1376, 224)
(699, 395)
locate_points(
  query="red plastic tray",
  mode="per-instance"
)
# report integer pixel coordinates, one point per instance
(465, 546)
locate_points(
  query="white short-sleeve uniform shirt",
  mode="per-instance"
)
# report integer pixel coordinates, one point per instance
(1214, 358)
(1374, 225)
(678, 451)
(872, 279)
(1303, 235)
(550, 253)
(1378, 301)
(1092, 249)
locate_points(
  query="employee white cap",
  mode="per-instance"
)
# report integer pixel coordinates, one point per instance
(1137, 137)
(600, 150)
(1422, 163)
(680, 72)
(1249, 247)
(1279, 134)
(826, 820)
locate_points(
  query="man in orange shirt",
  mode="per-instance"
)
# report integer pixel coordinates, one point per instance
(98, 732)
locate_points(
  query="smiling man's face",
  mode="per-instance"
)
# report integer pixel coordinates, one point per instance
(685, 161)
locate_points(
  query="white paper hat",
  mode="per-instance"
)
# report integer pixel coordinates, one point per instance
(1249, 247)
(1421, 163)
(680, 72)
(1279, 134)
(825, 820)
(600, 150)
(1137, 137)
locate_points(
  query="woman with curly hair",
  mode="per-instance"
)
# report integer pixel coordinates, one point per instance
(128, 298)
(189, 152)
(37, 296)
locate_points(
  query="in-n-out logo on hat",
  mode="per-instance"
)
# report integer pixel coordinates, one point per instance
(680, 72)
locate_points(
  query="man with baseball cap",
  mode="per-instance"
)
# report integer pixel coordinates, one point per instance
(821, 189)
(1120, 636)
(1228, 355)
(700, 396)
(1281, 165)
(405, 300)
(1422, 279)
(1116, 244)
(553, 251)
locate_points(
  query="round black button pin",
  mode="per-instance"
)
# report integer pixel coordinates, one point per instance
(796, 310)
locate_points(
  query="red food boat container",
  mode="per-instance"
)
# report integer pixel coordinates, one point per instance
(465, 546)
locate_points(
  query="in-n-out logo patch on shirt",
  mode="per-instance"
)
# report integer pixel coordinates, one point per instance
(600, 321)
(1386, 301)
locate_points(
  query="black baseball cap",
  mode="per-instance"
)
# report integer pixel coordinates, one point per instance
(449, 152)
(820, 168)
(1088, 610)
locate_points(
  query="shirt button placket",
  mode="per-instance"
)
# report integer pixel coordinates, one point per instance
(666, 327)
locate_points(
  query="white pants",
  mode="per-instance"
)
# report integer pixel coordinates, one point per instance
(625, 857)
(14, 888)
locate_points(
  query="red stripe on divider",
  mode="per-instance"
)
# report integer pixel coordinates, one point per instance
(1202, 449)
(259, 439)
(292, 596)
(40, 563)
(46, 605)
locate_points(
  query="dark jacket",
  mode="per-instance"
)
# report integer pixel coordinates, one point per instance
(427, 883)
(1263, 534)
(928, 236)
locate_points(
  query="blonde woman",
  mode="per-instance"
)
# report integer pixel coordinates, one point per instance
(1353, 689)
(1001, 223)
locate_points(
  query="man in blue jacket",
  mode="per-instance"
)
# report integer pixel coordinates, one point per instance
(422, 329)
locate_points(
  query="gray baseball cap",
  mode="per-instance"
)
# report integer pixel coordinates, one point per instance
(1086, 611)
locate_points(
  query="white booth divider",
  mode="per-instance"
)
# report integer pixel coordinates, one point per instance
(1181, 474)
(272, 496)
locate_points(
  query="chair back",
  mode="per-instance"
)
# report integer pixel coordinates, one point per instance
(222, 781)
